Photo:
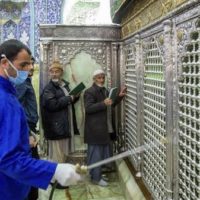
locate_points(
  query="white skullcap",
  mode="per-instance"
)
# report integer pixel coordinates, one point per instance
(97, 72)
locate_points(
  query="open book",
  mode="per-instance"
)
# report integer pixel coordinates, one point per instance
(79, 88)
(113, 93)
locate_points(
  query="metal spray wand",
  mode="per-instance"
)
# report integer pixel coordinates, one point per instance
(84, 169)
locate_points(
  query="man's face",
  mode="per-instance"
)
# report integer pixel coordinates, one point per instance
(30, 74)
(99, 79)
(22, 62)
(55, 73)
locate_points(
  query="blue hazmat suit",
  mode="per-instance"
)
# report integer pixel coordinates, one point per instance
(18, 171)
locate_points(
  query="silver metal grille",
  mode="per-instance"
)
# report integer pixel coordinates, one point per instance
(154, 160)
(131, 101)
(158, 108)
(189, 121)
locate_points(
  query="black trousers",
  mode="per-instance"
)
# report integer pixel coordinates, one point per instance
(33, 194)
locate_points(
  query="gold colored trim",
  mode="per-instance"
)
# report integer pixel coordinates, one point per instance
(137, 17)
(143, 8)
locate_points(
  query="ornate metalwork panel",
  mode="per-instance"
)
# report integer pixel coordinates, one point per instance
(131, 120)
(189, 120)
(154, 160)
(67, 50)
(171, 104)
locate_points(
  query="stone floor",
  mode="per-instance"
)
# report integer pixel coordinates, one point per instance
(88, 191)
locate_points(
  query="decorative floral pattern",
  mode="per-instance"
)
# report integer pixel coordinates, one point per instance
(9, 30)
(19, 23)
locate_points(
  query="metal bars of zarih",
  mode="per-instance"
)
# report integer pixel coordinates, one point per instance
(154, 160)
(189, 120)
(131, 101)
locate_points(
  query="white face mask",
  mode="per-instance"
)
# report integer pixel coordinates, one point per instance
(100, 85)
(55, 80)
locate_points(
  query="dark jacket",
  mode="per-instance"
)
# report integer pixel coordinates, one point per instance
(26, 96)
(96, 130)
(54, 111)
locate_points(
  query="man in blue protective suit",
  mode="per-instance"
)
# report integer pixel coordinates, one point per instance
(18, 170)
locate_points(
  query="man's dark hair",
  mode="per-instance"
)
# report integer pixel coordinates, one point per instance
(11, 48)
